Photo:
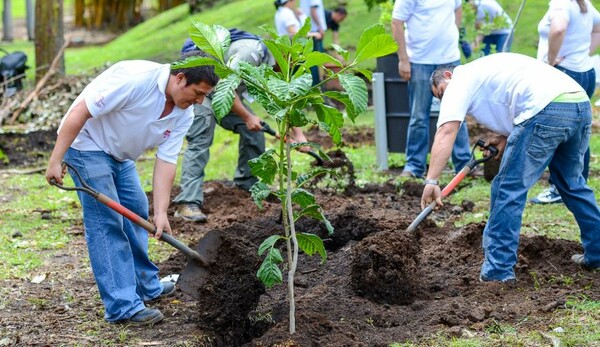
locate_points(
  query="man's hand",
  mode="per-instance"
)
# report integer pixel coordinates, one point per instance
(55, 172)
(431, 192)
(404, 69)
(498, 141)
(253, 123)
(161, 221)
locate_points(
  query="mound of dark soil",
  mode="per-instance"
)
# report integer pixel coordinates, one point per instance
(28, 149)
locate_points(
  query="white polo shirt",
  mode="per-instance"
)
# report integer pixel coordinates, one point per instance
(431, 34)
(126, 102)
(501, 90)
(285, 17)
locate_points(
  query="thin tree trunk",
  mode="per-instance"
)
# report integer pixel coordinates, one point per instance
(7, 23)
(30, 19)
(79, 13)
(49, 36)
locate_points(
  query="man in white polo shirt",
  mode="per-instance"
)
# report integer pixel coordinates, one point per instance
(542, 118)
(129, 108)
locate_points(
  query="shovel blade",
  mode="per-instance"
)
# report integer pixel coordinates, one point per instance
(194, 276)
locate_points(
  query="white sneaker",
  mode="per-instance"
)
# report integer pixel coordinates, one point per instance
(548, 196)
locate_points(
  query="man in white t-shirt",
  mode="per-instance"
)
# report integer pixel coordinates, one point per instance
(131, 107)
(315, 10)
(542, 118)
(429, 40)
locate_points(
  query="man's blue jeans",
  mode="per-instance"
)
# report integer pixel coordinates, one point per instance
(118, 248)
(498, 41)
(557, 137)
(417, 142)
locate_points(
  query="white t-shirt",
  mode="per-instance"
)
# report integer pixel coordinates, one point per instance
(501, 90)
(487, 10)
(431, 34)
(126, 102)
(306, 6)
(285, 17)
(576, 44)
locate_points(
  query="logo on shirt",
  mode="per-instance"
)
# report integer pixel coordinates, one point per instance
(166, 134)
(99, 100)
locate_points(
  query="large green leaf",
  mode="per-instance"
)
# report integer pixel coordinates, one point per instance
(301, 34)
(306, 177)
(279, 87)
(224, 95)
(264, 166)
(269, 242)
(300, 86)
(303, 198)
(269, 273)
(212, 39)
(330, 120)
(378, 46)
(357, 91)
(279, 56)
(345, 99)
(298, 118)
(259, 191)
(319, 58)
(316, 212)
(311, 244)
(367, 35)
(341, 51)
(269, 29)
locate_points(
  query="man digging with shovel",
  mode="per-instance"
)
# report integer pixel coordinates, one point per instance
(129, 108)
(542, 118)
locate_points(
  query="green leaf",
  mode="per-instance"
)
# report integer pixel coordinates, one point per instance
(264, 166)
(303, 198)
(357, 91)
(224, 95)
(212, 39)
(303, 178)
(279, 87)
(367, 35)
(367, 73)
(298, 118)
(259, 191)
(311, 244)
(279, 56)
(301, 34)
(345, 99)
(221, 70)
(269, 29)
(378, 46)
(341, 51)
(319, 58)
(269, 273)
(269, 243)
(330, 120)
(316, 212)
(300, 86)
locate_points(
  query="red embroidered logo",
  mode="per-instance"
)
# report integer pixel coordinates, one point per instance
(166, 133)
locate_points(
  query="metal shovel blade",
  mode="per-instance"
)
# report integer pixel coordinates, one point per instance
(194, 276)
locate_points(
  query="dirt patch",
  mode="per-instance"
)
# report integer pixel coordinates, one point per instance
(26, 149)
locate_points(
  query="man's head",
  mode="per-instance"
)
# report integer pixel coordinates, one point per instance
(439, 79)
(191, 84)
(339, 14)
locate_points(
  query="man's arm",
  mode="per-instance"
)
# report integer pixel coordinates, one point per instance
(458, 17)
(252, 121)
(162, 183)
(69, 130)
(595, 38)
(314, 13)
(335, 35)
(440, 153)
(403, 61)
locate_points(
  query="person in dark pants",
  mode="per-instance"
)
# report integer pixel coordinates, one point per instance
(333, 19)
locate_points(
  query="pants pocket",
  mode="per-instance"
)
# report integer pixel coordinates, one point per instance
(545, 140)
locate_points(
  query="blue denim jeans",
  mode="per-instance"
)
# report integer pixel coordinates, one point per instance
(498, 40)
(118, 248)
(314, 70)
(417, 142)
(587, 80)
(557, 137)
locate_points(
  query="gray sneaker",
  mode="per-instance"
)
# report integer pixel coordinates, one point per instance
(190, 212)
(548, 196)
(579, 259)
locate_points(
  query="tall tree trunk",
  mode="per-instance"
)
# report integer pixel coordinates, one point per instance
(30, 19)
(7, 24)
(49, 36)
(79, 13)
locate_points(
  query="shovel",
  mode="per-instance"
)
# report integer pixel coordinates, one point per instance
(195, 273)
(455, 181)
(267, 128)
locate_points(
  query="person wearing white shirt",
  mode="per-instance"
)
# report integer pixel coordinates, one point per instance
(131, 107)
(543, 119)
(486, 12)
(429, 40)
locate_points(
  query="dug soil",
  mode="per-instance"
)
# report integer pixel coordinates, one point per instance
(379, 284)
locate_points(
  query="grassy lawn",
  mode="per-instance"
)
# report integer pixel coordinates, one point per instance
(27, 199)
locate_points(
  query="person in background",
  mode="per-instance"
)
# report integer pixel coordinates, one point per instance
(487, 12)
(241, 120)
(569, 32)
(315, 10)
(543, 118)
(131, 107)
(422, 47)
(288, 20)
(333, 19)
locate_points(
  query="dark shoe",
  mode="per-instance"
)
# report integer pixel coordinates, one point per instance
(168, 290)
(548, 196)
(507, 281)
(579, 259)
(146, 316)
(191, 212)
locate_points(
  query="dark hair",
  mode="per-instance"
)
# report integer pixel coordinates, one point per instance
(279, 3)
(582, 6)
(438, 74)
(341, 10)
(196, 74)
